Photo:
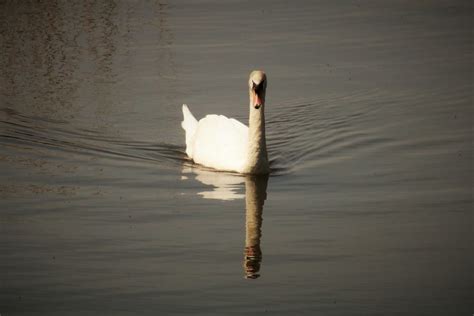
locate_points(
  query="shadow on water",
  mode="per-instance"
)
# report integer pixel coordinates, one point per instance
(226, 187)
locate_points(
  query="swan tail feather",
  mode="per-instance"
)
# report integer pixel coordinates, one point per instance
(189, 124)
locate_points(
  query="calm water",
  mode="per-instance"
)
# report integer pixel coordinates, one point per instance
(368, 210)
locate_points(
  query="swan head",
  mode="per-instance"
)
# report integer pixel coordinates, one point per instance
(257, 88)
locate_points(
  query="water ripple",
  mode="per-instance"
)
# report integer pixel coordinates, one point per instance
(18, 129)
(309, 130)
(300, 133)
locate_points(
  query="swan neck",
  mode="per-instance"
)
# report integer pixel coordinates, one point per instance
(257, 147)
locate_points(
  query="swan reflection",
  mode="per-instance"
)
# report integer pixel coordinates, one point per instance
(222, 186)
(225, 186)
(255, 196)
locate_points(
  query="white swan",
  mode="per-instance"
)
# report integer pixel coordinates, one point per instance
(226, 144)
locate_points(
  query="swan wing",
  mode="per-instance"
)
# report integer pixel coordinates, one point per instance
(221, 143)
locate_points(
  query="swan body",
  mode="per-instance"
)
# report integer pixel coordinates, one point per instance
(226, 144)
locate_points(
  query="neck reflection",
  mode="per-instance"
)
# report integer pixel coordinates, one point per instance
(255, 196)
(226, 187)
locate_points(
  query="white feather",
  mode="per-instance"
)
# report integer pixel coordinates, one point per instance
(189, 124)
(216, 141)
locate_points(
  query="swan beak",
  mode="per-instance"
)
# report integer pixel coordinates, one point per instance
(257, 102)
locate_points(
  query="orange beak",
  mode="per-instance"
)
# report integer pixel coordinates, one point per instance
(257, 101)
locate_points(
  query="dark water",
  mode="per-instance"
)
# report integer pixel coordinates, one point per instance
(368, 210)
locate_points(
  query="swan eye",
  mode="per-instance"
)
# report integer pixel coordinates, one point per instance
(255, 86)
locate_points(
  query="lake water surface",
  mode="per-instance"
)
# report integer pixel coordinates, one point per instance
(367, 211)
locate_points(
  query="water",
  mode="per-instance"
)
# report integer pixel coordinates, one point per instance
(368, 210)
